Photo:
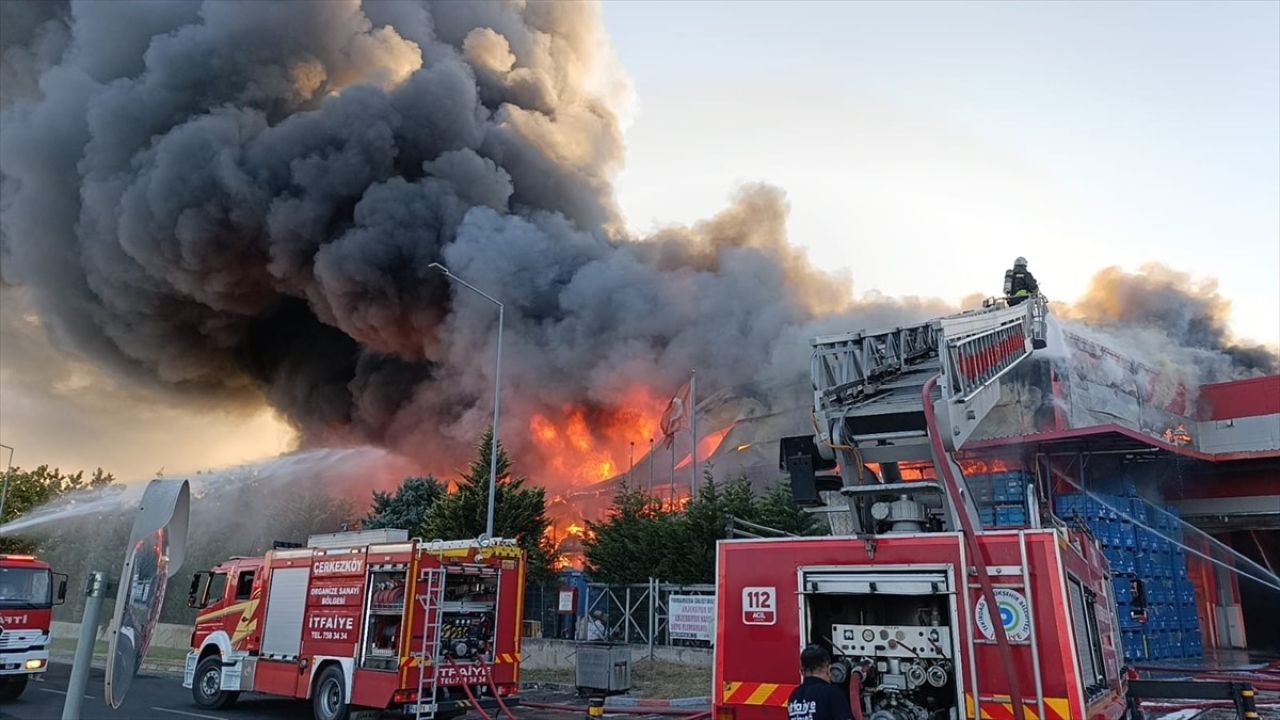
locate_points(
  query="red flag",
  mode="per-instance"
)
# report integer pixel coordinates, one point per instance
(676, 417)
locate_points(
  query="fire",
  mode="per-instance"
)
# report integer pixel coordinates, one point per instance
(583, 445)
(707, 446)
(986, 466)
(578, 446)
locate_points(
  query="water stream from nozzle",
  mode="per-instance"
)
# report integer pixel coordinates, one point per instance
(339, 463)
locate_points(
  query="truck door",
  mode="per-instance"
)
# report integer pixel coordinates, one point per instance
(213, 608)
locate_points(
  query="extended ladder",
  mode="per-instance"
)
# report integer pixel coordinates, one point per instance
(432, 601)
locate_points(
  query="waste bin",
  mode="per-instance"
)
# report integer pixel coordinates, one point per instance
(603, 668)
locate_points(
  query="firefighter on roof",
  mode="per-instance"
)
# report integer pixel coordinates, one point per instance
(817, 698)
(1019, 283)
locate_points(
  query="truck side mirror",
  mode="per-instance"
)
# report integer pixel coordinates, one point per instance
(196, 594)
(62, 589)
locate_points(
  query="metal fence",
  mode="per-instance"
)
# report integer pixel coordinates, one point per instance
(637, 614)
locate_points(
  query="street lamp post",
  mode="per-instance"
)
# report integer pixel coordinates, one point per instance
(4, 493)
(497, 394)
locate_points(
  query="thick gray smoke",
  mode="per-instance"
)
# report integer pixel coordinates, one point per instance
(242, 199)
(1176, 318)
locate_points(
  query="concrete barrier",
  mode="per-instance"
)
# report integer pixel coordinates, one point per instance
(541, 654)
(168, 635)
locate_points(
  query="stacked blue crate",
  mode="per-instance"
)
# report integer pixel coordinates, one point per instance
(1162, 624)
(1001, 498)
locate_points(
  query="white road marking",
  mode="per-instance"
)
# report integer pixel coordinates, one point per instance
(60, 692)
(188, 714)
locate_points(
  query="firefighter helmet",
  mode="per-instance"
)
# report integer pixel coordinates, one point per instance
(1020, 262)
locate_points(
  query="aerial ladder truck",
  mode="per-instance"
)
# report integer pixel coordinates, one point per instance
(928, 616)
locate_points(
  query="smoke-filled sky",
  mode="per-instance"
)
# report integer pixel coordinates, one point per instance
(218, 217)
(925, 145)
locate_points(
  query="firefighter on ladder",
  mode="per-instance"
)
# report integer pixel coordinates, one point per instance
(1019, 283)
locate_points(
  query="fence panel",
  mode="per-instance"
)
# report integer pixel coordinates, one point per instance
(638, 614)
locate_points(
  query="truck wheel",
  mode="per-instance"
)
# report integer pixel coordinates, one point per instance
(206, 687)
(11, 688)
(329, 701)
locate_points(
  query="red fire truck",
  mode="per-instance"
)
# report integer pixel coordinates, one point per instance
(27, 598)
(365, 619)
(927, 616)
(908, 626)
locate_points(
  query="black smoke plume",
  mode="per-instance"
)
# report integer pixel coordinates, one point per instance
(241, 200)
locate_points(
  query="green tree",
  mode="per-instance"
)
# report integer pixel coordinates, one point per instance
(639, 539)
(704, 522)
(407, 507)
(29, 489)
(777, 509)
(519, 509)
(636, 541)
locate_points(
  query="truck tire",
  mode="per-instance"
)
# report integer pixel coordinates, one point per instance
(11, 688)
(330, 701)
(206, 686)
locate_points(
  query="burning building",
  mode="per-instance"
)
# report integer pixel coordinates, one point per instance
(241, 203)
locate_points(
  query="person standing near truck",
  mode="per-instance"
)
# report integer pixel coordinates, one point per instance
(817, 698)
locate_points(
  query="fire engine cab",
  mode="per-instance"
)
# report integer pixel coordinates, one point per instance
(27, 598)
(368, 619)
(927, 616)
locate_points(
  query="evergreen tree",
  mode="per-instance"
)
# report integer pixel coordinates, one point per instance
(407, 507)
(777, 509)
(519, 509)
(635, 542)
(640, 539)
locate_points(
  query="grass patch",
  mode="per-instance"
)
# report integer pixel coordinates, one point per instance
(661, 679)
(563, 676)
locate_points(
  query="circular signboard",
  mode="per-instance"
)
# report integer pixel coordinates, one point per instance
(1015, 615)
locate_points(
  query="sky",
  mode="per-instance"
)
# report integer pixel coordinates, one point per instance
(923, 146)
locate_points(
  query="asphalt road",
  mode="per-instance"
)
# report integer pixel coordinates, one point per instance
(151, 697)
(159, 697)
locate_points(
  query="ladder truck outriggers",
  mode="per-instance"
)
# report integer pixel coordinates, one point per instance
(368, 619)
(927, 616)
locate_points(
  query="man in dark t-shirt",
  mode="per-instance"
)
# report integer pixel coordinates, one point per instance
(817, 698)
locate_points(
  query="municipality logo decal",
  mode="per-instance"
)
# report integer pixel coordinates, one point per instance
(1015, 615)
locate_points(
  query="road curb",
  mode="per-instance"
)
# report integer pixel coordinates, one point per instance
(690, 702)
(100, 663)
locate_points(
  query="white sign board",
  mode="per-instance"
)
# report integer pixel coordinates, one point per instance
(691, 617)
(759, 605)
(566, 601)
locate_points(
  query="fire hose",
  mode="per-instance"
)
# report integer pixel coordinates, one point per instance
(470, 695)
(971, 539)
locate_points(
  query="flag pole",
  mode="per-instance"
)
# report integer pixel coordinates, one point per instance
(671, 487)
(693, 428)
(651, 467)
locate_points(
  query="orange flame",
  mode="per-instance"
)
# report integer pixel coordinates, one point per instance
(582, 446)
(707, 446)
(986, 465)
(576, 446)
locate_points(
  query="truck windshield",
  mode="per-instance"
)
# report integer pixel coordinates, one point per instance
(25, 587)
